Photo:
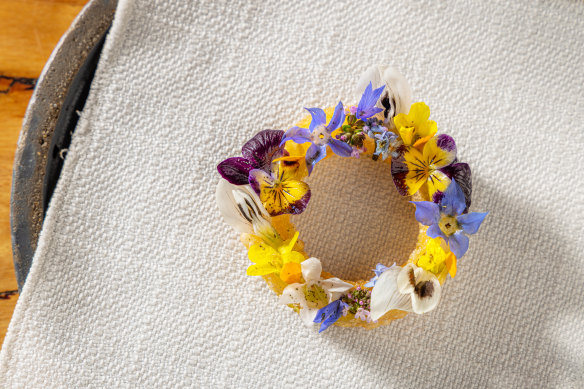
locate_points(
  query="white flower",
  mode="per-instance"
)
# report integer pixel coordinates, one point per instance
(397, 95)
(315, 292)
(423, 287)
(242, 209)
(385, 295)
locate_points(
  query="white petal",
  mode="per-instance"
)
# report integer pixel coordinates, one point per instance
(307, 315)
(293, 294)
(386, 296)
(371, 75)
(242, 209)
(311, 269)
(428, 284)
(335, 288)
(397, 87)
(405, 279)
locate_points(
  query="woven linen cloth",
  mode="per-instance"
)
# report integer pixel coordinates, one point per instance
(138, 282)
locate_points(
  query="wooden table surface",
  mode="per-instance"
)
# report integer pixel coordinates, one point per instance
(29, 31)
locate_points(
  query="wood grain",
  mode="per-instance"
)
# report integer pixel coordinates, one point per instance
(29, 31)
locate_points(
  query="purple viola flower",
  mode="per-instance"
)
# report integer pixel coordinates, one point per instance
(447, 220)
(257, 153)
(379, 269)
(319, 134)
(366, 107)
(330, 314)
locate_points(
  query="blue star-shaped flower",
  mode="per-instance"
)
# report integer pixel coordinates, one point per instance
(446, 219)
(319, 134)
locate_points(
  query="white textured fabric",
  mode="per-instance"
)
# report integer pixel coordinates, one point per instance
(137, 281)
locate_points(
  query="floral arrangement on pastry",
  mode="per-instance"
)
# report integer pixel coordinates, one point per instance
(261, 189)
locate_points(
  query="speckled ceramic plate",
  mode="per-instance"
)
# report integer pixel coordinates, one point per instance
(50, 119)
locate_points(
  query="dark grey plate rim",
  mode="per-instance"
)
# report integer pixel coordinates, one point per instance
(50, 117)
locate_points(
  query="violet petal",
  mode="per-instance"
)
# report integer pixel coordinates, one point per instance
(235, 170)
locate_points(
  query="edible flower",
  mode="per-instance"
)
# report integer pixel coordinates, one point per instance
(421, 285)
(280, 193)
(363, 314)
(414, 128)
(257, 153)
(282, 260)
(379, 269)
(386, 142)
(329, 314)
(319, 135)
(447, 221)
(386, 296)
(414, 168)
(366, 107)
(315, 292)
(242, 209)
(435, 258)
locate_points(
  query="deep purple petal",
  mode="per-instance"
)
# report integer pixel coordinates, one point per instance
(263, 148)
(329, 314)
(299, 205)
(453, 202)
(313, 155)
(471, 222)
(337, 119)
(297, 134)
(434, 231)
(458, 244)
(399, 170)
(427, 212)
(460, 172)
(446, 143)
(437, 196)
(340, 148)
(235, 170)
(318, 117)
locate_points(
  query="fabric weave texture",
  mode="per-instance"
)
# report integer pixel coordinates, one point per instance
(138, 282)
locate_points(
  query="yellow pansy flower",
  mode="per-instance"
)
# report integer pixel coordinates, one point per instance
(282, 192)
(414, 128)
(414, 168)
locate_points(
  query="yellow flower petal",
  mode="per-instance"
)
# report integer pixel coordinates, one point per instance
(407, 135)
(437, 181)
(293, 257)
(262, 269)
(433, 258)
(427, 129)
(262, 253)
(437, 156)
(417, 170)
(291, 273)
(401, 120)
(450, 262)
(419, 113)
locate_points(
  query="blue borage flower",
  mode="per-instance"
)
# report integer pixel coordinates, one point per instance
(447, 221)
(319, 134)
(379, 269)
(329, 314)
(366, 107)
